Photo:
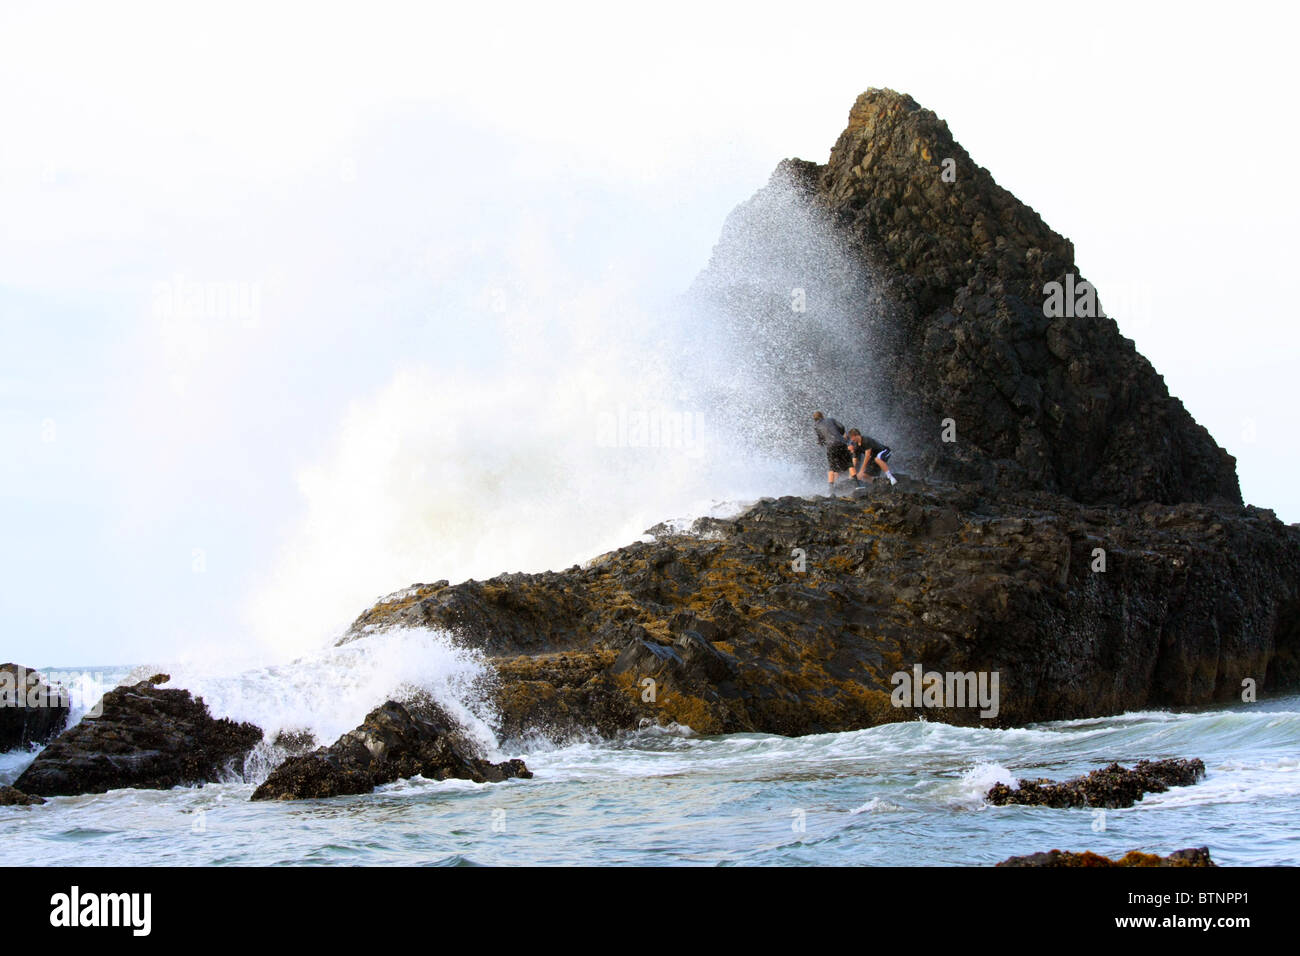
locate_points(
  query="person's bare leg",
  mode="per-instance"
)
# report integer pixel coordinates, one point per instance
(885, 468)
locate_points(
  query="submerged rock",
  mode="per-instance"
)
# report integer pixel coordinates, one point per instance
(31, 711)
(11, 797)
(392, 743)
(145, 737)
(1198, 856)
(1111, 786)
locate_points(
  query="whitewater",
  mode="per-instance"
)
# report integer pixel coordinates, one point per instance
(899, 794)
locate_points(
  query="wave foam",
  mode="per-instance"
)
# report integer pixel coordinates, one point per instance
(329, 692)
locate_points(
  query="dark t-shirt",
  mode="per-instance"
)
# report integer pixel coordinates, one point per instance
(829, 432)
(867, 449)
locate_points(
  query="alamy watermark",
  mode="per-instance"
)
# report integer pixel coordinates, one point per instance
(654, 427)
(74, 908)
(37, 690)
(1070, 300)
(190, 300)
(916, 688)
(1129, 302)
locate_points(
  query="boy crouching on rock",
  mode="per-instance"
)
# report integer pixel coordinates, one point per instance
(867, 452)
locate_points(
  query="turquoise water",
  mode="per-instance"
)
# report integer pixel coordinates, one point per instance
(908, 794)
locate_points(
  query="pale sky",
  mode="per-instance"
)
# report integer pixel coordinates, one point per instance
(359, 173)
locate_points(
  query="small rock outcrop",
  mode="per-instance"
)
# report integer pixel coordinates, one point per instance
(31, 710)
(146, 737)
(1112, 786)
(12, 797)
(1198, 856)
(392, 743)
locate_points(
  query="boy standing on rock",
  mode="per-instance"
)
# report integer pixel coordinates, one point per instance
(865, 450)
(838, 459)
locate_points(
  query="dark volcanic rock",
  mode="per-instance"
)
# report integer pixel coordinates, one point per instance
(950, 310)
(10, 797)
(1193, 600)
(145, 737)
(31, 711)
(1111, 786)
(392, 743)
(1199, 856)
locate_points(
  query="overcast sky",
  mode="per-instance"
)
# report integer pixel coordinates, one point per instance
(331, 167)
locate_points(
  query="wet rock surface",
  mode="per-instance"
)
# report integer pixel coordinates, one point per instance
(394, 742)
(11, 797)
(31, 710)
(1112, 786)
(727, 628)
(1198, 856)
(146, 737)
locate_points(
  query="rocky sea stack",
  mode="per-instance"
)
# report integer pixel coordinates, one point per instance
(1062, 403)
(1067, 528)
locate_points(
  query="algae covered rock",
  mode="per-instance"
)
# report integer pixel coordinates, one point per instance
(12, 797)
(1196, 856)
(392, 743)
(1112, 786)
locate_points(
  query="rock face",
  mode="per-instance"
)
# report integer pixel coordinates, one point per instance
(146, 737)
(1112, 786)
(735, 631)
(950, 310)
(1199, 856)
(392, 743)
(31, 711)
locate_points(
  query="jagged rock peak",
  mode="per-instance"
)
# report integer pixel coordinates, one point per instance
(902, 182)
(953, 305)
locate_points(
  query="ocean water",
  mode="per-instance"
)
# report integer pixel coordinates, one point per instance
(902, 794)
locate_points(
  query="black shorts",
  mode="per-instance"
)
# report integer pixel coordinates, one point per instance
(838, 458)
(872, 467)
